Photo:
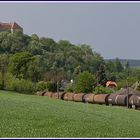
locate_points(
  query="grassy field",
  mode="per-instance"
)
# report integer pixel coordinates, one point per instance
(36, 116)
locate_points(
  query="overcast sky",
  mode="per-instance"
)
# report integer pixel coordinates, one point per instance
(111, 29)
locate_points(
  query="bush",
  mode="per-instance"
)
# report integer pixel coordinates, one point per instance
(26, 86)
(69, 88)
(52, 86)
(23, 86)
(103, 90)
(19, 85)
(84, 82)
(127, 82)
(40, 86)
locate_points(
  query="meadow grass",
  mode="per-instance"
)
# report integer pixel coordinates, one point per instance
(42, 117)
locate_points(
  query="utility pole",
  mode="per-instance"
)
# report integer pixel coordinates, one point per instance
(57, 84)
(3, 75)
(128, 89)
(12, 28)
(3, 65)
(127, 94)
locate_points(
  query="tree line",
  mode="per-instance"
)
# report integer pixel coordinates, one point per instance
(37, 63)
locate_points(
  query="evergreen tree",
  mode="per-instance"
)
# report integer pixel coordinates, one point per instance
(101, 75)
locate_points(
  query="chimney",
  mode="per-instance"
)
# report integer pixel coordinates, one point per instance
(12, 27)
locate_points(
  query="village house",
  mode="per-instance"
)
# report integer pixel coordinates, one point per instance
(10, 27)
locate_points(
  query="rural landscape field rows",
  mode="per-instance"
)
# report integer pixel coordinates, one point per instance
(38, 116)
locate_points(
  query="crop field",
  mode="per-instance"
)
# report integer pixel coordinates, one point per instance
(42, 117)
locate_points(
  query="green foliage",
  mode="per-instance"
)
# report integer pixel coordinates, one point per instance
(4, 58)
(52, 86)
(127, 65)
(115, 70)
(70, 88)
(12, 42)
(19, 64)
(32, 57)
(41, 85)
(136, 86)
(84, 82)
(103, 90)
(110, 66)
(126, 82)
(8, 78)
(19, 85)
(34, 69)
(101, 75)
(34, 46)
(22, 86)
(115, 76)
(135, 72)
(118, 65)
(35, 59)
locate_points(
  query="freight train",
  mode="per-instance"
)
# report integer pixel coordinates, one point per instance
(118, 98)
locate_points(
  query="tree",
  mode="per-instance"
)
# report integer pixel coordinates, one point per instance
(4, 43)
(77, 70)
(84, 82)
(127, 65)
(110, 66)
(47, 44)
(19, 64)
(3, 68)
(86, 49)
(101, 75)
(127, 68)
(33, 58)
(34, 69)
(12, 42)
(34, 46)
(118, 65)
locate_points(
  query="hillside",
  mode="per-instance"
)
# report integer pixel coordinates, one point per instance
(132, 62)
(37, 116)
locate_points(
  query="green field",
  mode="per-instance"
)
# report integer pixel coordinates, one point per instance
(37, 116)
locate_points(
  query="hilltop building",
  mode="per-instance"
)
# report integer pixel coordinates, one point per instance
(10, 27)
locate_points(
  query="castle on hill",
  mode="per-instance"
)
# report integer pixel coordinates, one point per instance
(10, 27)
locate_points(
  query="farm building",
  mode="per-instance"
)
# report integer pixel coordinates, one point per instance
(111, 84)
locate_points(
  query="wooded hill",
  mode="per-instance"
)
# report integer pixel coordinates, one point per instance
(32, 63)
(132, 62)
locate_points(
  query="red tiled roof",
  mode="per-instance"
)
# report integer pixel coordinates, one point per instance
(111, 83)
(5, 26)
(8, 26)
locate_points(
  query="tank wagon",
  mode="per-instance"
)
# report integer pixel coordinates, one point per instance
(58, 95)
(78, 97)
(121, 99)
(68, 96)
(40, 93)
(111, 99)
(118, 98)
(88, 98)
(49, 94)
(101, 99)
(134, 100)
